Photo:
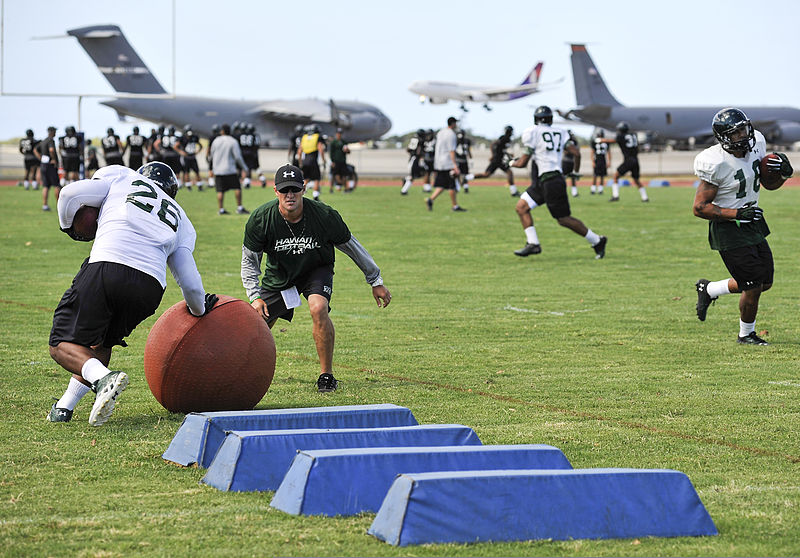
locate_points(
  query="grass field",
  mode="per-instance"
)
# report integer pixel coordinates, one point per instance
(602, 359)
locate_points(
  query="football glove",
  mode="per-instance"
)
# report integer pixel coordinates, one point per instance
(785, 168)
(211, 300)
(752, 213)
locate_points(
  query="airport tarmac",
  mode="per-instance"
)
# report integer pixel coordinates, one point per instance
(392, 163)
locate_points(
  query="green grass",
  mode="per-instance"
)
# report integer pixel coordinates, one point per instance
(603, 359)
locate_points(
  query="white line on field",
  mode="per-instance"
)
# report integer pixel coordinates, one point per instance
(529, 311)
(784, 383)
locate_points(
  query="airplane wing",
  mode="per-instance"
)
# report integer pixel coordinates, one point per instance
(303, 111)
(506, 91)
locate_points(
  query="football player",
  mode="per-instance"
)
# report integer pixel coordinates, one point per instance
(70, 147)
(546, 144)
(416, 167)
(727, 197)
(32, 162)
(601, 160)
(140, 231)
(135, 145)
(112, 148)
(499, 160)
(629, 145)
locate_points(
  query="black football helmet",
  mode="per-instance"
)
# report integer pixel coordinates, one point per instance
(623, 127)
(187, 128)
(29, 133)
(543, 115)
(162, 175)
(110, 131)
(136, 130)
(215, 128)
(727, 123)
(600, 134)
(421, 132)
(509, 130)
(171, 130)
(70, 130)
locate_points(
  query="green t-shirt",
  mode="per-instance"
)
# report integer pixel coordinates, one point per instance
(727, 235)
(337, 151)
(294, 249)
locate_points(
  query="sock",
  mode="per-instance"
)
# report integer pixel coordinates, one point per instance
(574, 190)
(600, 189)
(315, 195)
(718, 288)
(247, 181)
(351, 184)
(26, 184)
(406, 187)
(93, 370)
(426, 187)
(592, 237)
(211, 181)
(469, 177)
(746, 329)
(512, 189)
(239, 207)
(614, 190)
(594, 189)
(34, 184)
(458, 185)
(75, 392)
(530, 235)
(643, 193)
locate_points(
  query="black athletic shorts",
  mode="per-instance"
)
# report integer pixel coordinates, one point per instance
(174, 162)
(567, 167)
(71, 164)
(190, 164)
(104, 304)
(416, 167)
(629, 165)
(251, 160)
(495, 164)
(113, 160)
(600, 168)
(319, 281)
(339, 168)
(311, 171)
(444, 180)
(551, 190)
(31, 163)
(225, 182)
(750, 266)
(135, 161)
(463, 168)
(49, 175)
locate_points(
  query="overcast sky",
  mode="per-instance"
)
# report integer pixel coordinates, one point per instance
(681, 52)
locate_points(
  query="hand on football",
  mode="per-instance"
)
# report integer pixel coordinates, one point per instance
(786, 169)
(752, 213)
(75, 236)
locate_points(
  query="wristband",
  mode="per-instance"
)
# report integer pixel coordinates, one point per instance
(377, 282)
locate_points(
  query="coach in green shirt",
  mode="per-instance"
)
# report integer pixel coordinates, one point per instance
(298, 236)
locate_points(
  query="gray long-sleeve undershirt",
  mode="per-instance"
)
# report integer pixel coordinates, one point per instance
(251, 265)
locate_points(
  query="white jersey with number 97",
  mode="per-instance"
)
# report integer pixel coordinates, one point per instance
(139, 224)
(737, 179)
(546, 144)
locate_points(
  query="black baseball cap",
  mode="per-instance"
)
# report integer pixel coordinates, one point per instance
(288, 175)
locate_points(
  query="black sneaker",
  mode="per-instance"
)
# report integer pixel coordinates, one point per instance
(429, 203)
(600, 248)
(242, 211)
(529, 249)
(57, 414)
(327, 383)
(458, 208)
(751, 339)
(703, 299)
(612, 199)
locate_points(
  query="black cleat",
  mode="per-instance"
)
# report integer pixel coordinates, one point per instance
(529, 249)
(600, 248)
(612, 199)
(429, 203)
(457, 208)
(751, 339)
(327, 383)
(703, 299)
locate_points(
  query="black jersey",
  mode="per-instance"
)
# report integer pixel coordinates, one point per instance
(26, 146)
(429, 148)
(462, 149)
(70, 146)
(499, 147)
(168, 143)
(628, 144)
(600, 149)
(568, 157)
(135, 143)
(248, 144)
(45, 147)
(191, 144)
(110, 145)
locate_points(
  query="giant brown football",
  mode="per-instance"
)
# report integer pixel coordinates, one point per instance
(223, 361)
(769, 179)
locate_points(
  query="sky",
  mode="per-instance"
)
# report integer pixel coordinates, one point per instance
(682, 52)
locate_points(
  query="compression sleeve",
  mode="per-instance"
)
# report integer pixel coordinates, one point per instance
(362, 259)
(184, 270)
(251, 271)
(76, 194)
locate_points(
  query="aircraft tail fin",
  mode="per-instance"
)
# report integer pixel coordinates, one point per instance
(590, 89)
(116, 59)
(533, 75)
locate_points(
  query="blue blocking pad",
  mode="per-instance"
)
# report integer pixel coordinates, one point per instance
(201, 434)
(259, 460)
(512, 505)
(350, 481)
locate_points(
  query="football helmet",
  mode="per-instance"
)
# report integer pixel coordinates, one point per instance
(136, 130)
(162, 175)
(171, 130)
(543, 115)
(187, 128)
(110, 131)
(29, 133)
(600, 134)
(215, 128)
(727, 123)
(623, 127)
(509, 130)
(420, 132)
(70, 130)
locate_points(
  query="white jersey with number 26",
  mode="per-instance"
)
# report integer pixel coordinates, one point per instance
(546, 144)
(139, 224)
(737, 179)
